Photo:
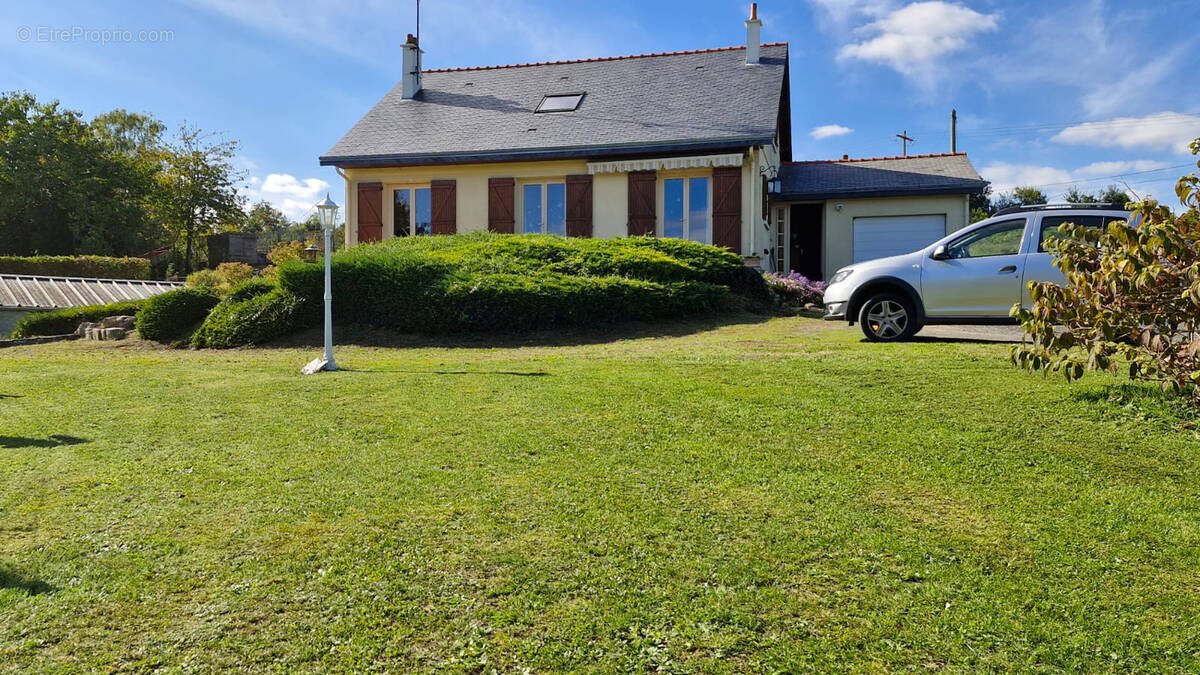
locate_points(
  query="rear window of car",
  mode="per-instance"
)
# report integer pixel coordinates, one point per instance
(1050, 225)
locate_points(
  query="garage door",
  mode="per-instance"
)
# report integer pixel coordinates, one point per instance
(893, 235)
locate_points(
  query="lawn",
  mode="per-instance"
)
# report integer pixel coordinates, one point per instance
(754, 496)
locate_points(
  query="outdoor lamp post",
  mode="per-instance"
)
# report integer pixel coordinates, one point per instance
(327, 214)
(310, 253)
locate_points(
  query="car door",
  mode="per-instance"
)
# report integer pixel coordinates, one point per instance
(979, 275)
(1039, 264)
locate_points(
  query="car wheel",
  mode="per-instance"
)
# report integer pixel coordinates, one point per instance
(888, 317)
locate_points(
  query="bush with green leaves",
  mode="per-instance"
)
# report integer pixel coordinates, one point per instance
(64, 321)
(253, 314)
(491, 282)
(1131, 302)
(170, 317)
(89, 266)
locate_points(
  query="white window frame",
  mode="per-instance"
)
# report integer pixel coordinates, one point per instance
(544, 183)
(660, 207)
(390, 216)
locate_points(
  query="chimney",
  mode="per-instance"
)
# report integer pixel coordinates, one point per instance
(753, 35)
(411, 84)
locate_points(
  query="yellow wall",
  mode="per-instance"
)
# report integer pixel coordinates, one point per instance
(839, 225)
(610, 196)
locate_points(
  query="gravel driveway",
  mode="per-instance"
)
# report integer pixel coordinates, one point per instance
(971, 333)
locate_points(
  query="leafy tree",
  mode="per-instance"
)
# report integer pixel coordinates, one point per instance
(981, 203)
(136, 135)
(265, 218)
(199, 193)
(1114, 195)
(1076, 196)
(1132, 295)
(1028, 196)
(63, 188)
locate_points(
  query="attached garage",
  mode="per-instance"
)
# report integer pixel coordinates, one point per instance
(883, 236)
(851, 210)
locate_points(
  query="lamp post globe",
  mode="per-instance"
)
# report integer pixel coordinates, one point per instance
(327, 212)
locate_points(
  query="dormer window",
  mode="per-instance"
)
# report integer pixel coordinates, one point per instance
(559, 103)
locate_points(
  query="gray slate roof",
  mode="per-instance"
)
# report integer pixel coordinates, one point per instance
(879, 177)
(703, 100)
(24, 291)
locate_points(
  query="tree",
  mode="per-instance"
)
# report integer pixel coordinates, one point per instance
(1132, 295)
(199, 193)
(1111, 195)
(1076, 196)
(980, 203)
(64, 188)
(136, 135)
(1028, 196)
(1114, 195)
(264, 218)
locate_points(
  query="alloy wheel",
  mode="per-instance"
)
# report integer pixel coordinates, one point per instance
(887, 319)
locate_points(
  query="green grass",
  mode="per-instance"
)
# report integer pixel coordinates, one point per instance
(758, 496)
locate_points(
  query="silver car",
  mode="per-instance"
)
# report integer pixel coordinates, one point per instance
(973, 276)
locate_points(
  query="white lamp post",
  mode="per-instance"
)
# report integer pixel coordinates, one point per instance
(327, 214)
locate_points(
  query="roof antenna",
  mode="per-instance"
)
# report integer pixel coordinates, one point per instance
(418, 22)
(903, 136)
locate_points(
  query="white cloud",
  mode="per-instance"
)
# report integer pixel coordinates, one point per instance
(912, 39)
(293, 196)
(1120, 167)
(1005, 176)
(829, 131)
(1160, 131)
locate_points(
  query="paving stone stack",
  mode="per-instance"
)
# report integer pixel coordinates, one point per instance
(108, 328)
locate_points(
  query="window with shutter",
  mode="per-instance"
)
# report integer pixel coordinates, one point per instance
(579, 206)
(727, 208)
(370, 212)
(444, 206)
(642, 202)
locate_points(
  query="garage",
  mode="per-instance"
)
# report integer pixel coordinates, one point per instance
(845, 211)
(883, 236)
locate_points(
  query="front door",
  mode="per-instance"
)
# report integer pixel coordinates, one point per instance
(981, 278)
(804, 245)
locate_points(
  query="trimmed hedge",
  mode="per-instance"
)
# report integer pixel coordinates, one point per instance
(63, 321)
(91, 266)
(490, 282)
(252, 316)
(168, 317)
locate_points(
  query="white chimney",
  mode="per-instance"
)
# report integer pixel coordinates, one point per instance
(411, 84)
(753, 35)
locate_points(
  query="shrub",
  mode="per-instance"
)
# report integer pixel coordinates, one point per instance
(233, 273)
(91, 266)
(170, 316)
(794, 288)
(250, 317)
(286, 251)
(63, 321)
(490, 282)
(204, 279)
(1132, 295)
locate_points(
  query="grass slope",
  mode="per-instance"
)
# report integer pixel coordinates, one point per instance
(761, 496)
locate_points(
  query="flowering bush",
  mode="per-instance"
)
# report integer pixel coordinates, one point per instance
(794, 288)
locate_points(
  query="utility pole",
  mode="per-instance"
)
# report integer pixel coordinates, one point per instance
(953, 130)
(903, 136)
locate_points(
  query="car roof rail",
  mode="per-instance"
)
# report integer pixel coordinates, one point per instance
(1060, 207)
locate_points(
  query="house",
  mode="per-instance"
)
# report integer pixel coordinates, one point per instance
(680, 144)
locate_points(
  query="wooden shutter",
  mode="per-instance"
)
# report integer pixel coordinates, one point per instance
(501, 216)
(727, 208)
(642, 199)
(579, 206)
(370, 212)
(443, 206)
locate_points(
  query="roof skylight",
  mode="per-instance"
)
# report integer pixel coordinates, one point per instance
(559, 103)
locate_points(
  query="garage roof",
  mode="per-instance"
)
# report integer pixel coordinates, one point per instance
(914, 175)
(25, 291)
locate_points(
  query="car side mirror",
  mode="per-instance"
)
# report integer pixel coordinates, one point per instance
(940, 253)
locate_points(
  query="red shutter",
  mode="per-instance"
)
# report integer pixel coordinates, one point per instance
(443, 206)
(579, 206)
(500, 205)
(370, 212)
(642, 199)
(727, 208)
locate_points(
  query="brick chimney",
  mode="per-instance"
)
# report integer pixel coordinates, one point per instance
(753, 35)
(411, 83)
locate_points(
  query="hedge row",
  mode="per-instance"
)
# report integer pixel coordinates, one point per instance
(252, 319)
(90, 266)
(488, 282)
(63, 321)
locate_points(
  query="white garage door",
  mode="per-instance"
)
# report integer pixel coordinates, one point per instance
(893, 235)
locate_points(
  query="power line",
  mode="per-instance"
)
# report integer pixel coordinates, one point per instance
(1085, 181)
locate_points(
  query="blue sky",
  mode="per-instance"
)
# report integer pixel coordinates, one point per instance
(1048, 93)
